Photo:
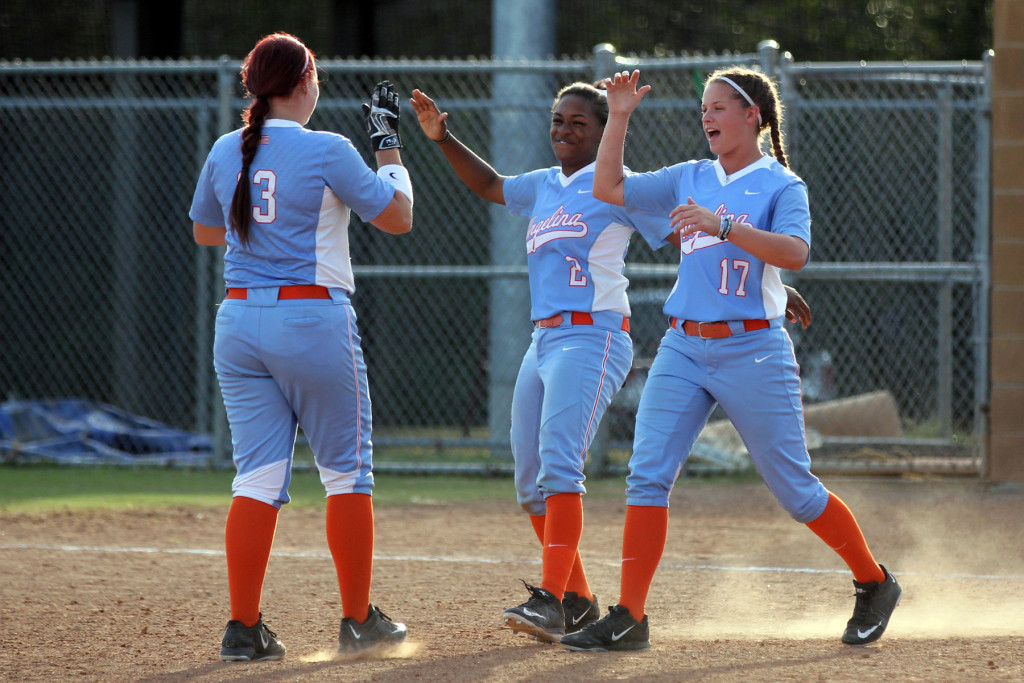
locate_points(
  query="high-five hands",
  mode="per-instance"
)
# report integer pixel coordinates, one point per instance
(381, 117)
(430, 117)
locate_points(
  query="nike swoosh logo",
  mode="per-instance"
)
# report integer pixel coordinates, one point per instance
(582, 191)
(749, 192)
(576, 620)
(865, 634)
(570, 348)
(530, 613)
(759, 360)
(616, 636)
(263, 639)
(558, 545)
(355, 635)
(393, 176)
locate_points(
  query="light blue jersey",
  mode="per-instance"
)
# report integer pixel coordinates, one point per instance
(752, 375)
(575, 249)
(766, 195)
(304, 184)
(283, 362)
(576, 245)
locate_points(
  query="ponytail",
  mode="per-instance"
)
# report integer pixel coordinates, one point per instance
(241, 201)
(274, 68)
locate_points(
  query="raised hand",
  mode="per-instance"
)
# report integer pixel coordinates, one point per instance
(432, 121)
(623, 95)
(381, 117)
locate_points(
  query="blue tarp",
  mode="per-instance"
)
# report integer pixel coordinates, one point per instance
(80, 432)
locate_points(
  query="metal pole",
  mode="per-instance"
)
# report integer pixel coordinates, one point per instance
(222, 450)
(982, 247)
(790, 107)
(521, 30)
(768, 58)
(605, 64)
(944, 397)
(605, 61)
(203, 276)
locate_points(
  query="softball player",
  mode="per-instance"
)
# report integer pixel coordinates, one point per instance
(581, 349)
(287, 347)
(741, 218)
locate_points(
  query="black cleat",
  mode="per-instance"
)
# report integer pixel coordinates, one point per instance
(579, 611)
(243, 643)
(876, 601)
(378, 632)
(541, 616)
(616, 631)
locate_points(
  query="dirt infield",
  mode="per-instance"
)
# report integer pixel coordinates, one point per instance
(743, 593)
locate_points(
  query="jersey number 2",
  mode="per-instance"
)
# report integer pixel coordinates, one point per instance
(576, 276)
(267, 182)
(740, 265)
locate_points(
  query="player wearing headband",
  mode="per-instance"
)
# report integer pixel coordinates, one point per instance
(741, 218)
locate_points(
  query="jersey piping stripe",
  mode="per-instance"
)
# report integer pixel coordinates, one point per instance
(597, 398)
(358, 392)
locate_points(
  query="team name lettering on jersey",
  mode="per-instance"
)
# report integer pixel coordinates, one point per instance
(560, 225)
(702, 240)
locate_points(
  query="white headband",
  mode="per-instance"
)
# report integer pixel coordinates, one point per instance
(745, 96)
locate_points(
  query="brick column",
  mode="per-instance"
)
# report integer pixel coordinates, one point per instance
(1006, 425)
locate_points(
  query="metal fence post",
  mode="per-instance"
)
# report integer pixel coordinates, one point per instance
(791, 106)
(605, 64)
(944, 325)
(520, 30)
(222, 450)
(768, 58)
(605, 61)
(982, 247)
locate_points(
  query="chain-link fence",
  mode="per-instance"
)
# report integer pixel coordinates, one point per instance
(105, 296)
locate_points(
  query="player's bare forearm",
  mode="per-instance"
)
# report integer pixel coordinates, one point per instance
(781, 251)
(209, 236)
(623, 98)
(608, 176)
(388, 156)
(474, 172)
(776, 249)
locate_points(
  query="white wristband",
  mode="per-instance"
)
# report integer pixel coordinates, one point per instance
(398, 177)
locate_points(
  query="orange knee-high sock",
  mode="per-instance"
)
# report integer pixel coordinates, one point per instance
(562, 530)
(839, 529)
(643, 542)
(248, 537)
(350, 538)
(577, 583)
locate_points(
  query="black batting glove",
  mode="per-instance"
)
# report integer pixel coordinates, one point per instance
(381, 117)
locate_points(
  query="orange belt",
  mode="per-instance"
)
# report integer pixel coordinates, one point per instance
(716, 330)
(286, 292)
(576, 318)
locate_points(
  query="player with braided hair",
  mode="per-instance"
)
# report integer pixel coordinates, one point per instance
(741, 218)
(287, 348)
(581, 349)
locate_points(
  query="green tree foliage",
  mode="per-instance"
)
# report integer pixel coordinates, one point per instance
(812, 30)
